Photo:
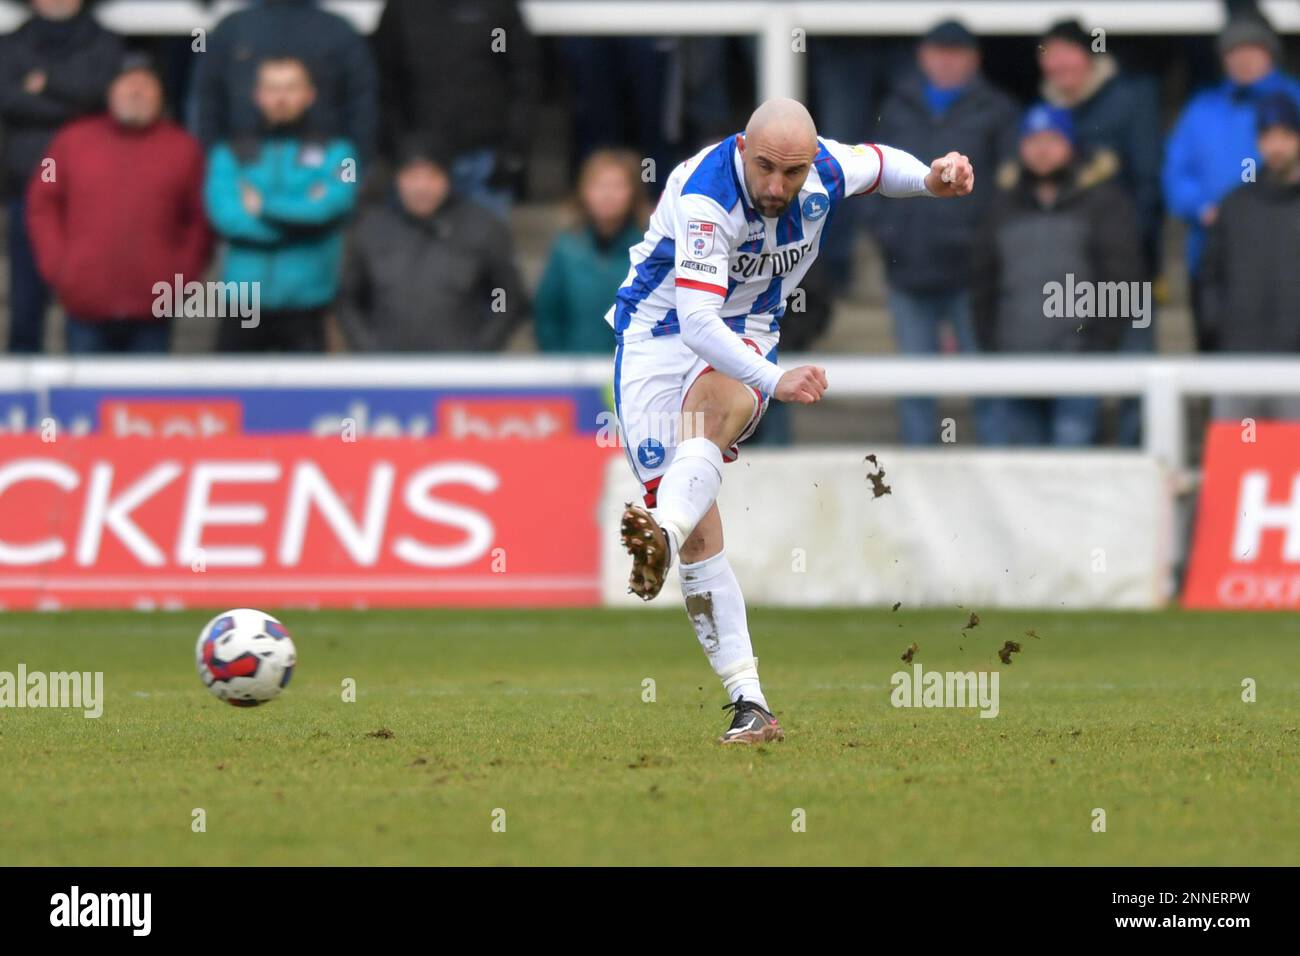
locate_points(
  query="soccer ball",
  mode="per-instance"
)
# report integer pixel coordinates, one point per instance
(245, 657)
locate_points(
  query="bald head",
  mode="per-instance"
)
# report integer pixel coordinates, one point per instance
(778, 148)
(783, 119)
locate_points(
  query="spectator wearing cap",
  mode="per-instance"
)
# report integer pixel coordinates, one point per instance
(588, 261)
(1112, 111)
(123, 213)
(946, 104)
(54, 68)
(465, 71)
(336, 56)
(1249, 281)
(430, 270)
(280, 200)
(1215, 137)
(1059, 216)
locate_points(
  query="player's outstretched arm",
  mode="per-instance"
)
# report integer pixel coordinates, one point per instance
(950, 175)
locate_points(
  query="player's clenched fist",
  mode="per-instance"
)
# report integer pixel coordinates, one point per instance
(804, 385)
(951, 175)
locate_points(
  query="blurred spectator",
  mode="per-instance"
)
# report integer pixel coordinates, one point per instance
(1215, 136)
(124, 212)
(53, 68)
(430, 271)
(589, 261)
(336, 56)
(623, 91)
(464, 71)
(1109, 111)
(1059, 216)
(279, 201)
(1249, 281)
(927, 247)
(848, 78)
(1120, 114)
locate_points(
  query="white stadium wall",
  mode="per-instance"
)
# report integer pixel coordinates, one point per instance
(978, 529)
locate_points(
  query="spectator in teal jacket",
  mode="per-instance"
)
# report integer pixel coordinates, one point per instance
(588, 262)
(279, 201)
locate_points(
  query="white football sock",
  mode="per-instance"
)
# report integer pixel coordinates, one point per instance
(717, 610)
(688, 488)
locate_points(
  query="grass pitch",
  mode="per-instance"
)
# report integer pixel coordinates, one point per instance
(540, 715)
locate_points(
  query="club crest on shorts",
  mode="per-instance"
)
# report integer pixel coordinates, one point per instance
(815, 206)
(699, 237)
(650, 453)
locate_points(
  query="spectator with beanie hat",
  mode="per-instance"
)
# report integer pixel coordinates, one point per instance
(1058, 212)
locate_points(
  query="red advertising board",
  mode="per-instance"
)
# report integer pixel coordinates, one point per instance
(241, 521)
(1246, 549)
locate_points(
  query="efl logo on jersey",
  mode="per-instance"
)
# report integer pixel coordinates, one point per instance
(699, 235)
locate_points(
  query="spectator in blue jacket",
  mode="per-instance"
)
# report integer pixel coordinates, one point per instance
(280, 201)
(1212, 148)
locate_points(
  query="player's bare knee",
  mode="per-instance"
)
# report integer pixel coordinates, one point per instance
(700, 546)
(712, 421)
(718, 414)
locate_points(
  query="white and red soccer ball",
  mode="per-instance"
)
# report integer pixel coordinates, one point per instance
(245, 657)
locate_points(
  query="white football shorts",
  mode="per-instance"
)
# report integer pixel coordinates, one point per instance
(652, 377)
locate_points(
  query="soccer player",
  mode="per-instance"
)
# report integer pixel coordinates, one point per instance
(697, 322)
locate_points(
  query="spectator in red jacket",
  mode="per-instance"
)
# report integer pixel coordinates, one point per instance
(118, 215)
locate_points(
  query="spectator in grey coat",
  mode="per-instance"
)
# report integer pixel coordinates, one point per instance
(429, 271)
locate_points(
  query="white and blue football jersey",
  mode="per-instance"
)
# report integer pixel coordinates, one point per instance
(706, 236)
